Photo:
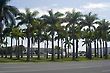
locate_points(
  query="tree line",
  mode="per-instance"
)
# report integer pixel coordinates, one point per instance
(50, 28)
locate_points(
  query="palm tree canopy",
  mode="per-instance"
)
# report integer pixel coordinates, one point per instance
(103, 29)
(7, 12)
(28, 17)
(52, 18)
(73, 17)
(103, 25)
(89, 20)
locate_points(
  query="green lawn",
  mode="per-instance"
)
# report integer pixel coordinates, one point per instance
(34, 60)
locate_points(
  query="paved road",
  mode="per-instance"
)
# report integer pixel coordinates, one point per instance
(68, 67)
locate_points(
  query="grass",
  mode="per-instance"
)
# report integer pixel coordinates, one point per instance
(35, 60)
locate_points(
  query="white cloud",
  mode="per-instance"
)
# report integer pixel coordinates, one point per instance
(41, 11)
(96, 6)
(63, 10)
(44, 10)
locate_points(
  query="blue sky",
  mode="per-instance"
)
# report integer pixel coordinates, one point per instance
(100, 7)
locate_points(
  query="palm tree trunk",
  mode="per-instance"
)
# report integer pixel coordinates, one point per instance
(89, 51)
(77, 48)
(6, 49)
(52, 58)
(73, 55)
(11, 47)
(68, 49)
(18, 53)
(31, 47)
(106, 50)
(16, 49)
(65, 52)
(61, 48)
(1, 51)
(47, 50)
(31, 50)
(28, 43)
(95, 49)
(86, 50)
(100, 49)
(58, 55)
(22, 49)
(38, 48)
(103, 48)
(28, 49)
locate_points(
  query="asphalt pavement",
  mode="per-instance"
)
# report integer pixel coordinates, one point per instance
(57, 67)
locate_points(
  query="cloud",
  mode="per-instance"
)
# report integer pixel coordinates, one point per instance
(44, 10)
(65, 9)
(41, 11)
(96, 6)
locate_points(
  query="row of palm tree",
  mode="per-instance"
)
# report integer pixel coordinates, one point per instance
(50, 28)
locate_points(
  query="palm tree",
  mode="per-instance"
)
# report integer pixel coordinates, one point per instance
(52, 19)
(2, 43)
(46, 37)
(66, 39)
(58, 47)
(95, 37)
(106, 46)
(38, 27)
(103, 31)
(86, 35)
(6, 33)
(61, 34)
(7, 13)
(73, 19)
(22, 35)
(60, 30)
(77, 37)
(68, 44)
(89, 21)
(27, 19)
(16, 32)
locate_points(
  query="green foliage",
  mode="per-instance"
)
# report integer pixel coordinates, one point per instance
(49, 27)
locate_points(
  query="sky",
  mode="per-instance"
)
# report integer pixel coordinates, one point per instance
(100, 7)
